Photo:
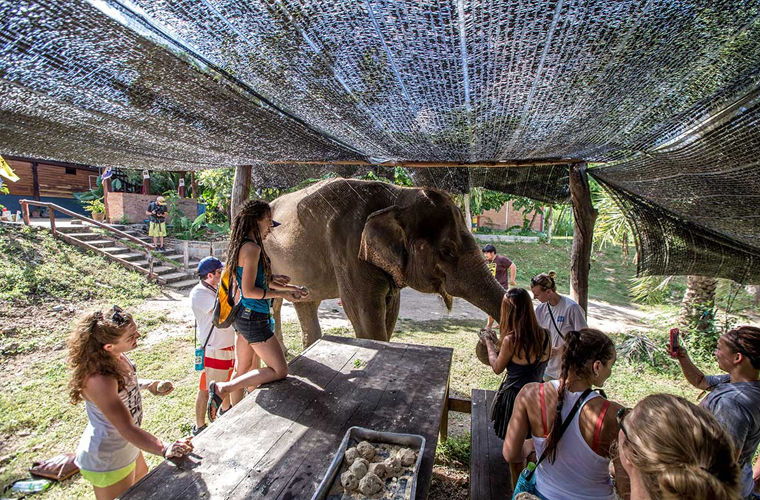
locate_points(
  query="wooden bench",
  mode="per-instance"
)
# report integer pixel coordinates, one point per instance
(488, 469)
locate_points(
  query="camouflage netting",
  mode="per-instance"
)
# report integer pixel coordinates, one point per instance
(658, 89)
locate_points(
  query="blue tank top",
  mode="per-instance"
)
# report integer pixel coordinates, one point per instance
(258, 305)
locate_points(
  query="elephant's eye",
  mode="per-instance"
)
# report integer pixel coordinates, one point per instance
(448, 252)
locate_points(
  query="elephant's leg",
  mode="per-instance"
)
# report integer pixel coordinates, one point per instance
(392, 304)
(307, 316)
(366, 307)
(276, 314)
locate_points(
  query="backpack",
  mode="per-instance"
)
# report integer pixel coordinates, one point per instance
(225, 307)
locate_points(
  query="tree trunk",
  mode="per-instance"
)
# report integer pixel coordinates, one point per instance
(698, 306)
(241, 189)
(548, 224)
(584, 219)
(625, 246)
(467, 214)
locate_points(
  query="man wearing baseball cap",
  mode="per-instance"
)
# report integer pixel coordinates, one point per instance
(218, 343)
(157, 213)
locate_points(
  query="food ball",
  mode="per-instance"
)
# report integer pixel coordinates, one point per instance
(366, 450)
(379, 469)
(349, 480)
(370, 484)
(406, 457)
(359, 467)
(393, 466)
(164, 386)
(351, 455)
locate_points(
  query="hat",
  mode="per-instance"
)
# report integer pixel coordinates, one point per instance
(209, 265)
(161, 200)
(489, 248)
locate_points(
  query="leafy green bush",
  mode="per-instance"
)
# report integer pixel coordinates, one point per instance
(455, 450)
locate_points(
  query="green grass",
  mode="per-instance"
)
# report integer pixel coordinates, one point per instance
(38, 268)
(608, 278)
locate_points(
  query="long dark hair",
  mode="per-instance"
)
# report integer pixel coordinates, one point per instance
(247, 221)
(517, 317)
(582, 349)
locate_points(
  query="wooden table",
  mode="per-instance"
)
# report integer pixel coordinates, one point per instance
(280, 440)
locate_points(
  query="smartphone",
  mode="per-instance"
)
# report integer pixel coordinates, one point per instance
(673, 347)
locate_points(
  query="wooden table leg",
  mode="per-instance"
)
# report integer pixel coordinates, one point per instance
(444, 430)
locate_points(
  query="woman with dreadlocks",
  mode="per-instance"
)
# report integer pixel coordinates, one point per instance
(573, 445)
(256, 284)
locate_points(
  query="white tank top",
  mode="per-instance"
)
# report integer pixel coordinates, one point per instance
(102, 448)
(577, 473)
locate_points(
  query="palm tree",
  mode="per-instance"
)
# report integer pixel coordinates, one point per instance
(698, 306)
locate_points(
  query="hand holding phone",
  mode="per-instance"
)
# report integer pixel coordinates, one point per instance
(674, 345)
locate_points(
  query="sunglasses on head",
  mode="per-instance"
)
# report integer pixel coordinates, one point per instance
(117, 316)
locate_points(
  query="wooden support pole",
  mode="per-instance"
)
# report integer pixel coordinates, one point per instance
(181, 190)
(241, 189)
(106, 188)
(194, 185)
(35, 182)
(25, 212)
(584, 217)
(51, 213)
(146, 182)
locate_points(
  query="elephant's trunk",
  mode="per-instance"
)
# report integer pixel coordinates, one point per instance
(475, 283)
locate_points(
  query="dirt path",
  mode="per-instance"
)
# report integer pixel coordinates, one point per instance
(414, 306)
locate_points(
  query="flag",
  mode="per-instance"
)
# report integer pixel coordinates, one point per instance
(6, 171)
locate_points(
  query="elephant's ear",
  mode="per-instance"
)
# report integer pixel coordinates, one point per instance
(384, 243)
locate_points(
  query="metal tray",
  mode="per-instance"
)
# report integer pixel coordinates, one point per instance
(329, 490)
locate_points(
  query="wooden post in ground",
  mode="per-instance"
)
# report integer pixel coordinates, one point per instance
(241, 189)
(584, 217)
(25, 212)
(186, 254)
(181, 190)
(193, 185)
(146, 182)
(51, 213)
(106, 188)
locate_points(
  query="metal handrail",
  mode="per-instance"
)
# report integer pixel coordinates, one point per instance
(51, 212)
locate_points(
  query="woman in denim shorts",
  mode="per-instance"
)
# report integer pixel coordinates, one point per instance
(257, 286)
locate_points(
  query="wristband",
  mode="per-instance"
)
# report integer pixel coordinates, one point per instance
(166, 449)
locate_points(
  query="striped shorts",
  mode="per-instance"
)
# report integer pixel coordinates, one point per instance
(217, 366)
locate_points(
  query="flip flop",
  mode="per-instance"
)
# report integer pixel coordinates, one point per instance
(214, 402)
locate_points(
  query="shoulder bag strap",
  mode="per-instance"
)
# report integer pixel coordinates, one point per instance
(565, 424)
(598, 429)
(209, 337)
(551, 314)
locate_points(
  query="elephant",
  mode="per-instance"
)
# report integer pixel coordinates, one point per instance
(363, 241)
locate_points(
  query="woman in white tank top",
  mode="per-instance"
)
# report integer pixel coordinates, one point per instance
(109, 454)
(576, 466)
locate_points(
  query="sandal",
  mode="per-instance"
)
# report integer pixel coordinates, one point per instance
(214, 402)
(198, 430)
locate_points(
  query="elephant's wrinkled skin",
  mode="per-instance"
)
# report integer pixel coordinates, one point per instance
(363, 241)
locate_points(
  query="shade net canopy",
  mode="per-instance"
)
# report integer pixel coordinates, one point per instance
(503, 95)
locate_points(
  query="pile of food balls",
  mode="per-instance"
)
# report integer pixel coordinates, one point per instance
(368, 477)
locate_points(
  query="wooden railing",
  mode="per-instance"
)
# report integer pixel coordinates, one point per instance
(52, 208)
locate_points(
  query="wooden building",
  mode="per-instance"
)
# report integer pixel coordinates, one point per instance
(51, 181)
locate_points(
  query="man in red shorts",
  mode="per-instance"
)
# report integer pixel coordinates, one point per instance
(219, 358)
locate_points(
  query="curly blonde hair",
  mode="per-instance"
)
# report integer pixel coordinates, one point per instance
(695, 460)
(86, 354)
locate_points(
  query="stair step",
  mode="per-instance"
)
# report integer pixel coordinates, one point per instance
(172, 277)
(83, 236)
(115, 250)
(179, 285)
(133, 256)
(163, 269)
(100, 243)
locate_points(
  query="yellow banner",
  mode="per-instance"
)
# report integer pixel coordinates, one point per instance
(6, 171)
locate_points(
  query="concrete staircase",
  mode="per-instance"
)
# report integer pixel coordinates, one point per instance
(168, 268)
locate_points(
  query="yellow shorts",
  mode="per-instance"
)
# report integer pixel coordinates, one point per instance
(157, 229)
(106, 479)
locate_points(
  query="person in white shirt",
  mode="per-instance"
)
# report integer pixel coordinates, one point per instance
(558, 314)
(219, 351)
